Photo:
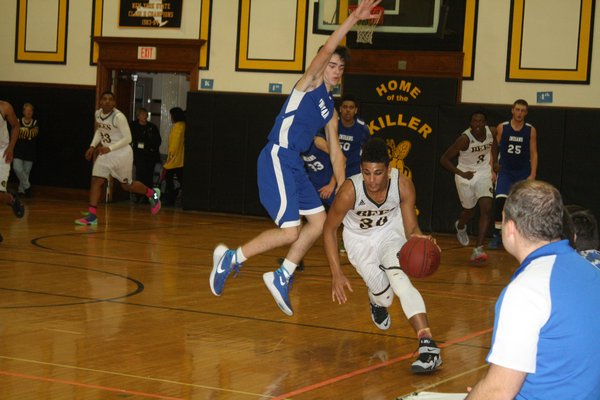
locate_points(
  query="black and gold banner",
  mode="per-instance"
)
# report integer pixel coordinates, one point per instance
(151, 13)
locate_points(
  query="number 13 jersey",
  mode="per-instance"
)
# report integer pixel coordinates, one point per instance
(368, 217)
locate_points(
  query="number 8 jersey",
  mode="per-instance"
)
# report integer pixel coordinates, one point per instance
(368, 217)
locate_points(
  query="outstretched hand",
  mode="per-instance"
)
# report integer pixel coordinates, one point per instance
(337, 288)
(364, 8)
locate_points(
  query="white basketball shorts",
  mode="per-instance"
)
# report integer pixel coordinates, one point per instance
(367, 252)
(118, 164)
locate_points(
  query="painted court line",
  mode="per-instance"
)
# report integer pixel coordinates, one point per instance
(361, 371)
(86, 385)
(142, 378)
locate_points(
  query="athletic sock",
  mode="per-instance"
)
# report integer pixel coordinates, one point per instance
(288, 268)
(239, 255)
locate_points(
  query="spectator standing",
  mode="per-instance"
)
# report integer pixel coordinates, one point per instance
(25, 149)
(174, 165)
(146, 141)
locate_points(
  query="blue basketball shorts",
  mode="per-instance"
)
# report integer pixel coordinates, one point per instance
(283, 186)
(507, 178)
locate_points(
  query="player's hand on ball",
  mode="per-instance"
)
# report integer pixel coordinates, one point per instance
(428, 237)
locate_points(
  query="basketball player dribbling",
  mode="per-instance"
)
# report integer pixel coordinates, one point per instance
(7, 146)
(284, 188)
(377, 208)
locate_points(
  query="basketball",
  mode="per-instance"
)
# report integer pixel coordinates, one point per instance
(419, 257)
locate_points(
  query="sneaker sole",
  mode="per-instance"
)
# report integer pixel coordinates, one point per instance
(422, 371)
(479, 260)
(93, 223)
(217, 256)
(268, 279)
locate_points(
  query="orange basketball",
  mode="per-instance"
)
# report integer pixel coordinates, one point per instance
(419, 257)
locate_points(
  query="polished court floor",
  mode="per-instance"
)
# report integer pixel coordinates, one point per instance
(124, 311)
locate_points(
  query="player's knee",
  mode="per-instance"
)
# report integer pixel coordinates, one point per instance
(290, 235)
(382, 298)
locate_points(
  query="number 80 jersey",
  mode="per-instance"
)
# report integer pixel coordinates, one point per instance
(368, 217)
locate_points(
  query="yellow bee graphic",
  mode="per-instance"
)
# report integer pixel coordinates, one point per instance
(397, 155)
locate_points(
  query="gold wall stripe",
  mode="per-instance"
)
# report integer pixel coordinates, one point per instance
(469, 38)
(97, 16)
(295, 65)
(205, 22)
(581, 74)
(30, 56)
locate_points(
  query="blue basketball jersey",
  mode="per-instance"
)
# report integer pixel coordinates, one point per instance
(318, 166)
(514, 148)
(301, 117)
(319, 169)
(351, 141)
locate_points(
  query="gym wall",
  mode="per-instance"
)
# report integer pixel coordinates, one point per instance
(226, 131)
(66, 118)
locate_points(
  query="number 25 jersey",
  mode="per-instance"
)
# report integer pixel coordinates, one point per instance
(370, 218)
(514, 147)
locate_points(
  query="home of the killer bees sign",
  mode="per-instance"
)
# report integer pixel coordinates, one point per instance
(151, 13)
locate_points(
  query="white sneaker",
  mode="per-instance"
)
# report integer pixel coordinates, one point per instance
(461, 234)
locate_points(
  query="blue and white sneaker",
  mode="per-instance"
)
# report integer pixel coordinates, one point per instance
(222, 267)
(279, 287)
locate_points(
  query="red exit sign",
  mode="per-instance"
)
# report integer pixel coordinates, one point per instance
(146, 53)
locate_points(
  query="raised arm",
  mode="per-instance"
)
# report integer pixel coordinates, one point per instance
(313, 76)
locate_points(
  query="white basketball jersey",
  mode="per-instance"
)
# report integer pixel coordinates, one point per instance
(109, 126)
(4, 136)
(477, 156)
(370, 218)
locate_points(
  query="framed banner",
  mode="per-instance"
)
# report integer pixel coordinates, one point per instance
(150, 13)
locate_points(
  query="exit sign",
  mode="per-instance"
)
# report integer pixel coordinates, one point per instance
(146, 53)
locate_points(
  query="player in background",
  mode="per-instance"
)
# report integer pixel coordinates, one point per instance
(7, 146)
(377, 208)
(476, 148)
(319, 169)
(284, 188)
(353, 133)
(114, 158)
(518, 160)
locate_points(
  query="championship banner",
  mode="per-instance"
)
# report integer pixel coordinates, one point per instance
(151, 13)
(402, 90)
(411, 136)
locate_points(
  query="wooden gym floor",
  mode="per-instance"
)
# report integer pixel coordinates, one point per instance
(124, 311)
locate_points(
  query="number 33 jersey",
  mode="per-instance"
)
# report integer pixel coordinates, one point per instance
(369, 217)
